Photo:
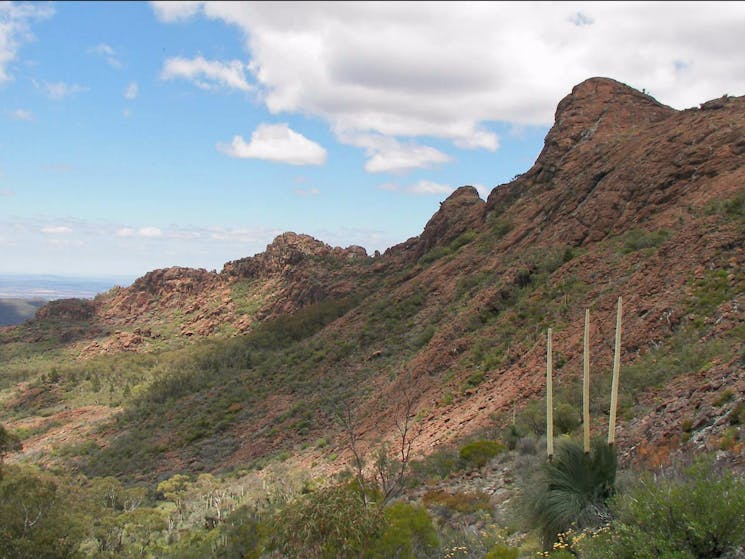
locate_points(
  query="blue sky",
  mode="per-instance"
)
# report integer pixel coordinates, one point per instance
(136, 136)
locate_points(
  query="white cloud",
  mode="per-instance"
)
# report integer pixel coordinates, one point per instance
(305, 192)
(446, 70)
(141, 232)
(276, 142)
(56, 230)
(149, 232)
(15, 31)
(483, 191)
(131, 91)
(429, 187)
(22, 114)
(207, 74)
(174, 11)
(60, 90)
(102, 49)
(388, 155)
(7, 192)
(107, 53)
(419, 188)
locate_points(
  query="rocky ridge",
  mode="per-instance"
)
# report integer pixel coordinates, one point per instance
(628, 197)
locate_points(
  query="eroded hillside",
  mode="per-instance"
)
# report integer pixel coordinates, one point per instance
(206, 371)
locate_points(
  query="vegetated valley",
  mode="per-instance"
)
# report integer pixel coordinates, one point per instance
(313, 401)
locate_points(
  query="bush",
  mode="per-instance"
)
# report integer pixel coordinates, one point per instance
(697, 513)
(502, 551)
(37, 517)
(434, 254)
(329, 523)
(438, 465)
(478, 453)
(573, 490)
(408, 534)
(566, 418)
(458, 502)
(638, 239)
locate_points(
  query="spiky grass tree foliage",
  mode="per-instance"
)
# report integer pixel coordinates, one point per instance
(573, 489)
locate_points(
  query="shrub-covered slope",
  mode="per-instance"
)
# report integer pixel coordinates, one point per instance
(189, 370)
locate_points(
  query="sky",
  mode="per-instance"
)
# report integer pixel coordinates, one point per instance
(137, 136)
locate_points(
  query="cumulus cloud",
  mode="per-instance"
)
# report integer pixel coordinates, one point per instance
(419, 188)
(107, 53)
(447, 70)
(207, 74)
(15, 31)
(131, 91)
(388, 155)
(276, 142)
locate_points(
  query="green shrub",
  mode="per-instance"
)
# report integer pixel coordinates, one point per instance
(242, 535)
(572, 490)
(434, 254)
(726, 397)
(408, 533)
(458, 502)
(511, 435)
(329, 523)
(731, 207)
(737, 415)
(462, 240)
(475, 379)
(697, 513)
(638, 239)
(38, 517)
(437, 465)
(478, 453)
(502, 551)
(566, 418)
(424, 336)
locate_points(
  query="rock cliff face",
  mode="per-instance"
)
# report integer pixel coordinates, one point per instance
(615, 159)
(172, 303)
(628, 198)
(68, 310)
(462, 211)
(285, 253)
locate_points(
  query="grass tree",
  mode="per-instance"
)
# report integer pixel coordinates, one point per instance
(578, 479)
(574, 489)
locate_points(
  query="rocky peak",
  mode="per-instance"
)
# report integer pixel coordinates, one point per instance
(175, 279)
(598, 108)
(461, 211)
(285, 251)
(72, 310)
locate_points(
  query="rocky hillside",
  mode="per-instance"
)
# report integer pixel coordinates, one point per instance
(628, 198)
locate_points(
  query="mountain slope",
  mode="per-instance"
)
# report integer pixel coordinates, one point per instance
(217, 370)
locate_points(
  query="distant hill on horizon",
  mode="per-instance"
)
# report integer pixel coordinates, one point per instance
(17, 311)
(49, 287)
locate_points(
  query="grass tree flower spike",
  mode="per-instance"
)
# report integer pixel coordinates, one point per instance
(549, 400)
(614, 386)
(586, 384)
